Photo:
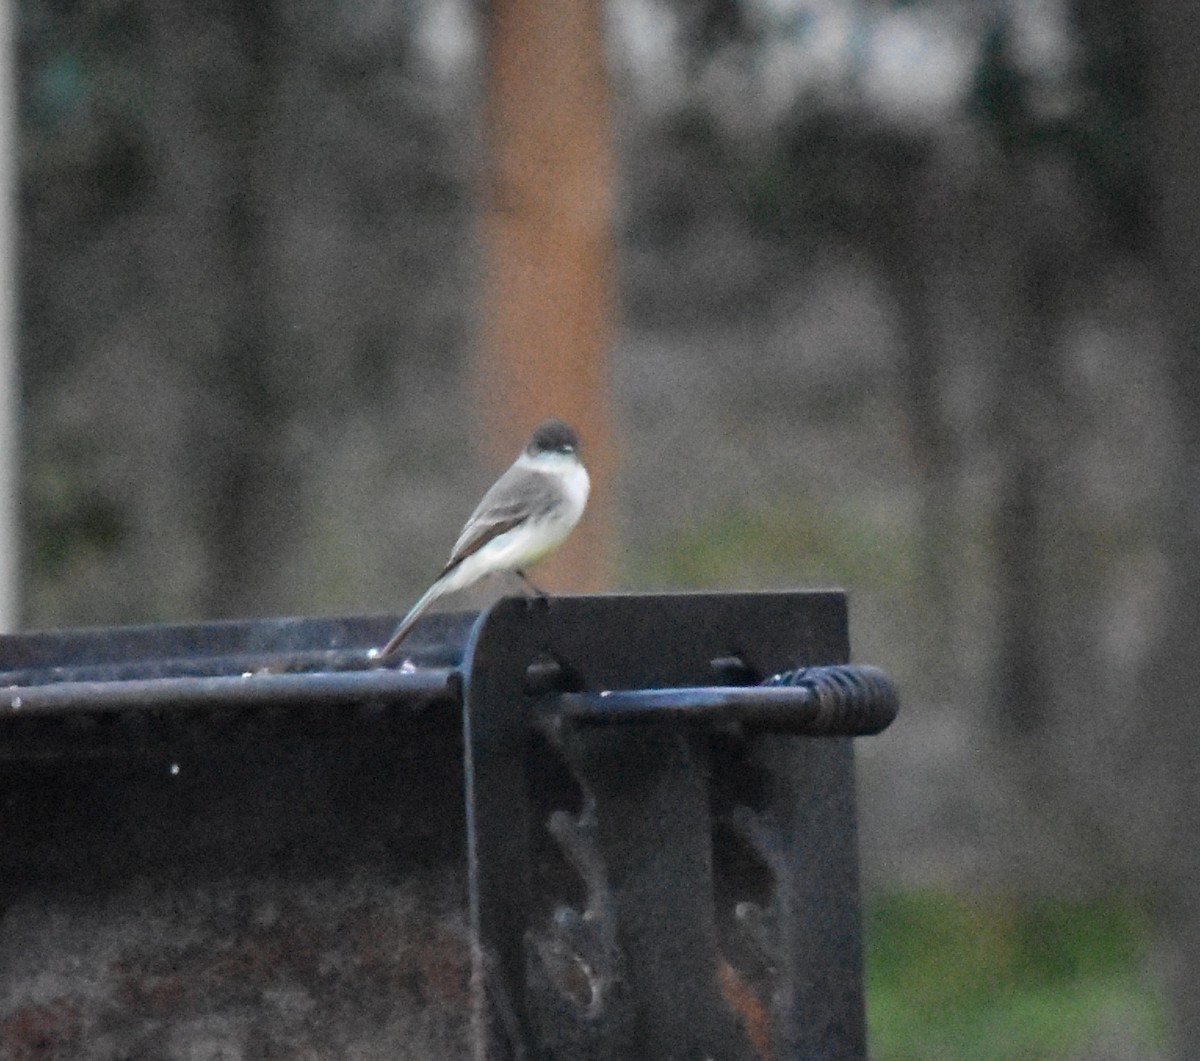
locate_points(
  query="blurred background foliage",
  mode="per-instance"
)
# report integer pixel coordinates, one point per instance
(899, 311)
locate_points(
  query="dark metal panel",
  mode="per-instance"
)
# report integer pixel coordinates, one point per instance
(194, 862)
(648, 791)
(682, 888)
(242, 892)
(646, 937)
(806, 829)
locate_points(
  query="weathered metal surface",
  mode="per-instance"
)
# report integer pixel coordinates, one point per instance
(214, 875)
(583, 828)
(649, 871)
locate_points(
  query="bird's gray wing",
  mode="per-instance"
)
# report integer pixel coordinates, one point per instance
(518, 495)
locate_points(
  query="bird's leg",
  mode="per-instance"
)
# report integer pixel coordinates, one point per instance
(538, 592)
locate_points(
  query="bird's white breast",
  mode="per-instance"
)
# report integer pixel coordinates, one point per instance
(576, 486)
(534, 539)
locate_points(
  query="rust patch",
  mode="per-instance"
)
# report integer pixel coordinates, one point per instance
(756, 1019)
(45, 1032)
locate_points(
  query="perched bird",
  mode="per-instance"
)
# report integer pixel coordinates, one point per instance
(525, 516)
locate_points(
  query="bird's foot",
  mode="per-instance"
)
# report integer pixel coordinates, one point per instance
(538, 596)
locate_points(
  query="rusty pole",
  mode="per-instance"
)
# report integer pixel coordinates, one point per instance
(548, 296)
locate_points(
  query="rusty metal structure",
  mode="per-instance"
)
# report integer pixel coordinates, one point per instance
(596, 827)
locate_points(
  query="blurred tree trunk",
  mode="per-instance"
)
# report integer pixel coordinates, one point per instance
(911, 242)
(1026, 415)
(1026, 247)
(10, 543)
(1172, 44)
(253, 492)
(1146, 62)
(548, 288)
(215, 111)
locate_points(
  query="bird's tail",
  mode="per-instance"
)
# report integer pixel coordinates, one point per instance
(410, 620)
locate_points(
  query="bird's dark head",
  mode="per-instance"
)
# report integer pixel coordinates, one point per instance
(553, 436)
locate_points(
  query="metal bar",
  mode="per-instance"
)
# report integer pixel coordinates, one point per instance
(230, 648)
(828, 701)
(332, 689)
(495, 744)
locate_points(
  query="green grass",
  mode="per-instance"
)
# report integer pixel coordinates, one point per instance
(950, 978)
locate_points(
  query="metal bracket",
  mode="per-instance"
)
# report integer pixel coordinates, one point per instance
(714, 910)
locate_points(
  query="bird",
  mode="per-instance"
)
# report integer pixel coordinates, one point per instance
(527, 514)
